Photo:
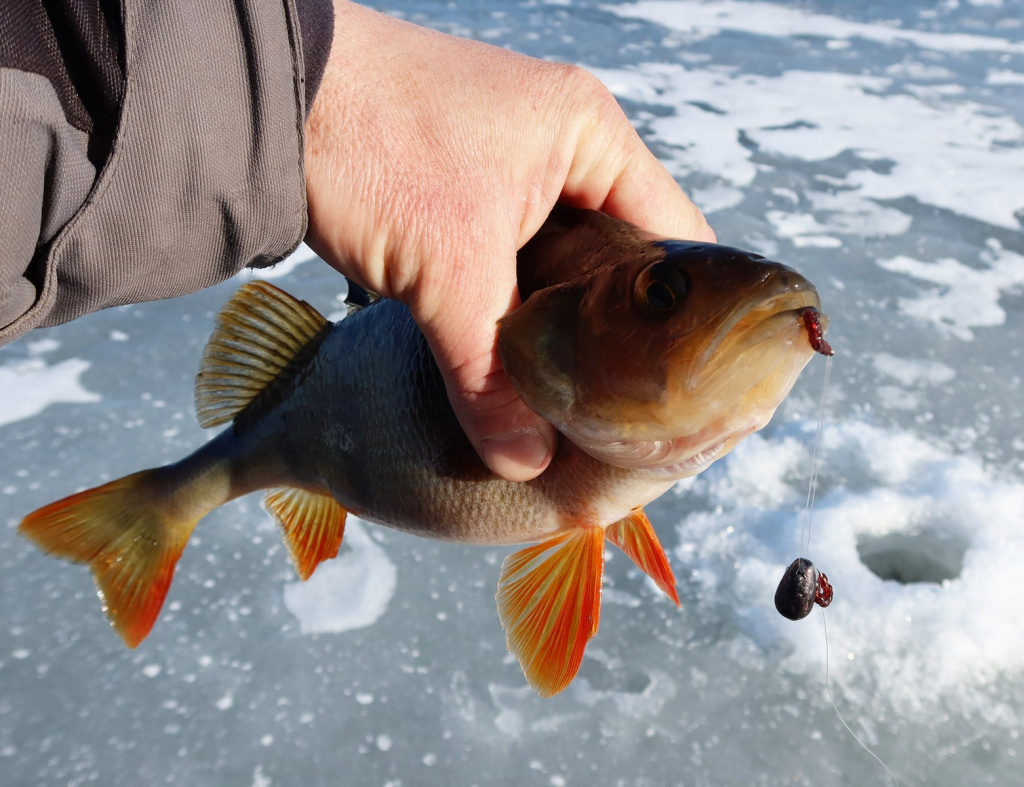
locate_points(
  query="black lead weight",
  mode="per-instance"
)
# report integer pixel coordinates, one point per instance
(802, 587)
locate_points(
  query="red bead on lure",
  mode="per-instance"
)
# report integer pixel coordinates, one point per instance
(823, 593)
(812, 322)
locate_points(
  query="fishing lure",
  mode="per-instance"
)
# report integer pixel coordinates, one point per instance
(802, 587)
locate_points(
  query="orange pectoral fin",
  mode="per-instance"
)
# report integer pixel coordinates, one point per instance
(313, 526)
(549, 603)
(635, 536)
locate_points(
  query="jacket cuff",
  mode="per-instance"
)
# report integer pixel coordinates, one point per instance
(205, 175)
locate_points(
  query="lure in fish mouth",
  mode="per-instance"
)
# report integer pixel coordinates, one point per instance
(652, 357)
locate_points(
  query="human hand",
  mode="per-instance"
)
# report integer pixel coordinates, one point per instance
(431, 159)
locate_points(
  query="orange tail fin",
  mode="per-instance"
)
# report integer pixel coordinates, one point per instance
(128, 534)
(549, 602)
(635, 536)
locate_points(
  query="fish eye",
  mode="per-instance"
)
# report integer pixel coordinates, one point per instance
(661, 287)
(659, 296)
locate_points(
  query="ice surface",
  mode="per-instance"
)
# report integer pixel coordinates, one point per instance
(966, 297)
(816, 117)
(926, 648)
(877, 148)
(711, 17)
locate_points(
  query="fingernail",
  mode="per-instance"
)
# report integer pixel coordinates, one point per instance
(518, 455)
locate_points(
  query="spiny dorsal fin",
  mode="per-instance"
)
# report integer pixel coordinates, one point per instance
(313, 525)
(635, 536)
(358, 296)
(549, 603)
(259, 331)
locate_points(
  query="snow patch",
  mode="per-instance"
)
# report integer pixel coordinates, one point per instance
(27, 387)
(913, 371)
(350, 592)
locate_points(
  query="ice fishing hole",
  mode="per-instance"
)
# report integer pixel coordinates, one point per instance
(922, 556)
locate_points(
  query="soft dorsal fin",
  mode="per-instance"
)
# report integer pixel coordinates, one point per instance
(549, 603)
(259, 331)
(635, 536)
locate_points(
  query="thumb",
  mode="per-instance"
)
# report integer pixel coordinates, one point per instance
(461, 329)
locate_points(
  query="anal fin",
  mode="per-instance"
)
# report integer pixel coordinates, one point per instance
(635, 536)
(549, 603)
(313, 525)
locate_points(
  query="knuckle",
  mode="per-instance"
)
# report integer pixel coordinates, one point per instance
(593, 95)
(595, 116)
(588, 96)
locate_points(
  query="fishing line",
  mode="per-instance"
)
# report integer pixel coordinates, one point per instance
(805, 540)
(812, 488)
(828, 688)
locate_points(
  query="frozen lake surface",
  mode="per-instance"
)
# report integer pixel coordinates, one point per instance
(877, 148)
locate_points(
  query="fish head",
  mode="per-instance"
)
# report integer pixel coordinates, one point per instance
(664, 358)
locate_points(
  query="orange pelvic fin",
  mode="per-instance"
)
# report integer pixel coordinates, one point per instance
(635, 536)
(313, 525)
(549, 603)
(128, 533)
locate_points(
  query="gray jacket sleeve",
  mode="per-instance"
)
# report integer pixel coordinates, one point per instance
(203, 177)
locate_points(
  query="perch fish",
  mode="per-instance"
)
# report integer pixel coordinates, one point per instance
(652, 357)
